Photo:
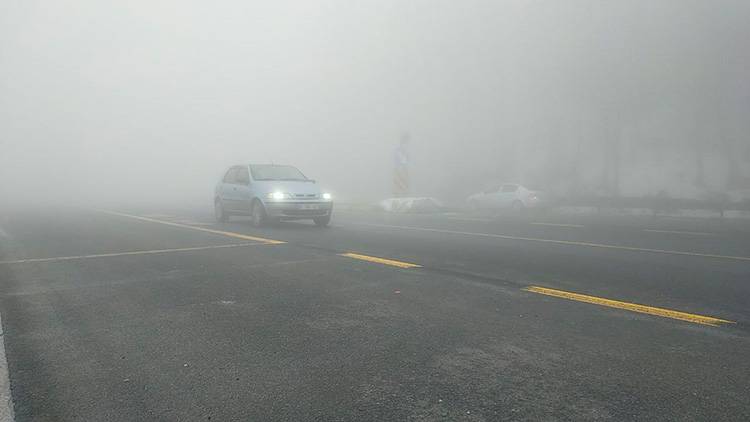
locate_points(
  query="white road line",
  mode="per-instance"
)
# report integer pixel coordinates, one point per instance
(192, 222)
(6, 400)
(483, 220)
(679, 232)
(146, 252)
(561, 242)
(201, 229)
(576, 226)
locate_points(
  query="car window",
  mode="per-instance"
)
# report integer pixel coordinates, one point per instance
(242, 176)
(230, 176)
(276, 172)
(491, 190)
(509, 188)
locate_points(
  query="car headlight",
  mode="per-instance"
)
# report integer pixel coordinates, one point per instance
(327, 196)
(277, 195)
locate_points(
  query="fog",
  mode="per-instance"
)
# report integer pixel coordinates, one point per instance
(123, 102)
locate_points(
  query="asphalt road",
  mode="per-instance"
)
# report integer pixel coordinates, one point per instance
(161, 314)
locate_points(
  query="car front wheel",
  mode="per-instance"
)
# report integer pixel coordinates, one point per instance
(258, 214)
(322, 221)
(219, 213)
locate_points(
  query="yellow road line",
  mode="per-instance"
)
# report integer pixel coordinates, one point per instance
(380, 260)
(634, 307)
(146, 252)
(559, 242)
(202, 229)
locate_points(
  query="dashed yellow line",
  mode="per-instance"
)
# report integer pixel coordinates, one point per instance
(384, 261)
(201, 229)
(634, 307)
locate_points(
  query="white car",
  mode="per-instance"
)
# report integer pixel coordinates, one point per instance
(505, 196)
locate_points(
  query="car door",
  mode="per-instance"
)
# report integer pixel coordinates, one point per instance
(508, 194)
(229, 190)
(219, 190)
(243, 191)
(488, 197)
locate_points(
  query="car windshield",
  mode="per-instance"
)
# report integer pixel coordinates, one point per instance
(274, 172)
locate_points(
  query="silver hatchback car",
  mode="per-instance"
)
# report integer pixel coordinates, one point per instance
(270, 192)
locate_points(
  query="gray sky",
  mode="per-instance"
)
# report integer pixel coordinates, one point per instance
(153, 99)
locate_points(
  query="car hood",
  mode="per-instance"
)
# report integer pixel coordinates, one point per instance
(288, 187)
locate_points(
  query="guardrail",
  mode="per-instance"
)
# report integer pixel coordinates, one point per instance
(657, 204)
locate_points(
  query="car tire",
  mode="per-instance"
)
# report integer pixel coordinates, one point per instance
(219, 212)
(322, 221)
(258, 214)
(518, 207)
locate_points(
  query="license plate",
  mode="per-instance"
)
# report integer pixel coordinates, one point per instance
(308, 207)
